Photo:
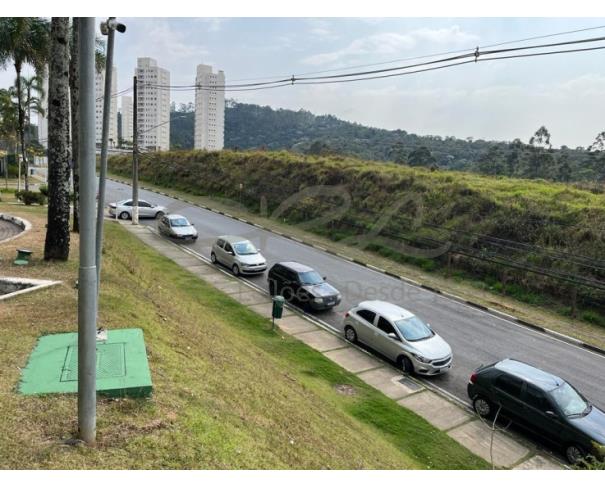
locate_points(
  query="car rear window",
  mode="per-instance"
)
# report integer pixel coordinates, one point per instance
(509, 384)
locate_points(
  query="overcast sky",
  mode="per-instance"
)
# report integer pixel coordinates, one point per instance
(499, 100)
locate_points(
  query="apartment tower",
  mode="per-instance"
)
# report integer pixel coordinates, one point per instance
(113, 108)
(126, 112)
(153, 105)
(209, 109)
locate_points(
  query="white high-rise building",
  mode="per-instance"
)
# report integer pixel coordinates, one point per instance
(126, 112)
(153, 105)
(209, 109)
(113, 107)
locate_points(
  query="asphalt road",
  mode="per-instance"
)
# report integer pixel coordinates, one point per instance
(476, 337)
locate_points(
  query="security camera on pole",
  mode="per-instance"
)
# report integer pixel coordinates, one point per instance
(108, 28)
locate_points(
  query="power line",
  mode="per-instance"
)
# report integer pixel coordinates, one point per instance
(426, 56)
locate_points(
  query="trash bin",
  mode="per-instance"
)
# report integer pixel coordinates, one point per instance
(278, 306)
(22, 257)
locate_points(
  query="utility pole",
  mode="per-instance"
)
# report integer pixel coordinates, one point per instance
(87, 282)
(107, 28)
(135, 156)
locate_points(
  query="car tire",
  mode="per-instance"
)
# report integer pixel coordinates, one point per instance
(574, 453)
(124, 215)
(213, 258)
(483, 407)
(287, 294)
(405, 364)
(235, 270)
(350, 334)
(159, 214)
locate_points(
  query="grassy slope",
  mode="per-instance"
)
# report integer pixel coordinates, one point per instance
(228, 392)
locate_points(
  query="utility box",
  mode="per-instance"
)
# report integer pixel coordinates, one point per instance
(278, 306)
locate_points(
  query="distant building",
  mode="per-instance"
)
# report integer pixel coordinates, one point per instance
(42, 120)
(153, 105)
(126, 111)
(113, 107)
(209, 109)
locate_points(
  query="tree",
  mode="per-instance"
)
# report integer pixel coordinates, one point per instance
(491, 162)
(541, 139)
(57, 233)
(74, 93)
(598, 144)
(24, 40)
(540, 161)
(563, 168)
(8, 124)
(421, 156)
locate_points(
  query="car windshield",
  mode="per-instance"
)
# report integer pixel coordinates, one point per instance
(570, 402)
(245, 248)
(310, 278)
(179, 222)
(414, 329)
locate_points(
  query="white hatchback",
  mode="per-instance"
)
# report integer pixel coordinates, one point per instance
(238, 254)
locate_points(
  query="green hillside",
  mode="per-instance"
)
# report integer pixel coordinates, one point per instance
(525, 238)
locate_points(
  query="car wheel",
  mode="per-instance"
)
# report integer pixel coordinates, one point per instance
(482, 407)
(213, 258)
(287, 294)
(235, 270)
(574, 454)
(159, 214)
(405, 364)
(350, 334)
(124, 215)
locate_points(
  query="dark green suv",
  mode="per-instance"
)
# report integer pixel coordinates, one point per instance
(541, 402)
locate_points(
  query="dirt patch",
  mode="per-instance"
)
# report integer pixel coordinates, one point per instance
(345, 389)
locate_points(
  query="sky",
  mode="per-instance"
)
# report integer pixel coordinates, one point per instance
(500, 100)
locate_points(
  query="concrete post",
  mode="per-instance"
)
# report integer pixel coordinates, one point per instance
(87, 283)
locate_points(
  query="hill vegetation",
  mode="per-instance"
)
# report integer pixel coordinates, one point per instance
(528, 239)
(249, 126)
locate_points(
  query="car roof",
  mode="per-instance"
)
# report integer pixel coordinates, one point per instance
(541, 379)
(233, 239)
(389, 310)
(296, 266)
(175, 216)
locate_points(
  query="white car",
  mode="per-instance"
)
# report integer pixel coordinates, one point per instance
(123, 209)
(177, 226)
(238, 254)
(398, 335)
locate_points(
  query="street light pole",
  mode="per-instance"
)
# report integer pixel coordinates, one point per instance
(87, 278)
(109, 27)
(135, 155)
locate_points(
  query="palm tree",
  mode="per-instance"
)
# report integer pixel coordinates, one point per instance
(56, 246)
(24, 40)
(8, 124)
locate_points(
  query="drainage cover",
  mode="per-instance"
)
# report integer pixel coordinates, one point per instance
(410, 384)
(122, 368)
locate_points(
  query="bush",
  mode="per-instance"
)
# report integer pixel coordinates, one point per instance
(30, 197)
(44, 190)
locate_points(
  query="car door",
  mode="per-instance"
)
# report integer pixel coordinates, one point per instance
(386, 340)
(541, 415)
(219, 251)
(365, 325)
(507, 393)
(228, 255)
(145, 209)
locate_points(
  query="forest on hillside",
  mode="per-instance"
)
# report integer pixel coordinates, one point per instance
(249, 126)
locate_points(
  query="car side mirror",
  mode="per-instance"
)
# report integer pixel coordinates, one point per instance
(393, 336)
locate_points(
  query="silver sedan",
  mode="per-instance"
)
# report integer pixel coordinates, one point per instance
(123, 209)
(400, 336)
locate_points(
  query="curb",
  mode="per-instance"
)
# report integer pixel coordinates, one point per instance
(453, 297)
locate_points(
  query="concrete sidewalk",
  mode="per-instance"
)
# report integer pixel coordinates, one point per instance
(459, 423)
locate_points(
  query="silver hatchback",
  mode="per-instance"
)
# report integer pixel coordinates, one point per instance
(238, 254)
(398, 335)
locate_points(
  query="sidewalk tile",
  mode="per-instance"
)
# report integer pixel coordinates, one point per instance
(321, 340)
(438, 411)
(538, 462)
(250, 297)
(476, 436)
(387, 381)
(295, 324)
(266, 310)
(353, 360)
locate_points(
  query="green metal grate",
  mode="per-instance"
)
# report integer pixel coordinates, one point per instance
(111, 361)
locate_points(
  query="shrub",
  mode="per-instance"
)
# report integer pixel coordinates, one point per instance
(30, 197)
(44, 190)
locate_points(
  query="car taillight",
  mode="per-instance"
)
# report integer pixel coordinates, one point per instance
(473, 378)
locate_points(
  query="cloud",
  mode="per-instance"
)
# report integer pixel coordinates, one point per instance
(392, 43)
